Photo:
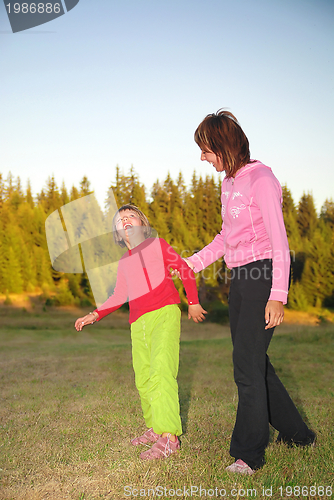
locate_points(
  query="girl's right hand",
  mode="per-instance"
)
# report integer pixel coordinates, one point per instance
(89, 319)
(175, 272)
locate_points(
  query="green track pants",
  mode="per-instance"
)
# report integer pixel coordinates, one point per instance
(155, 354)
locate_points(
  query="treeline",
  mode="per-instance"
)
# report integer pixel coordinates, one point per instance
(188, 217)
(311, 240)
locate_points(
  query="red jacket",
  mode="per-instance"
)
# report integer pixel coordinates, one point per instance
(144, 279)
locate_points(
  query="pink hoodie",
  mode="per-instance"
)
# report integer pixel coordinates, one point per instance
(253, 226)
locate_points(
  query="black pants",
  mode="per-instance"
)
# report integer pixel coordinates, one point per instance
(262, 397)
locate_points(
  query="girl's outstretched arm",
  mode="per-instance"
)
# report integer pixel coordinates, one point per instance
(89, 319)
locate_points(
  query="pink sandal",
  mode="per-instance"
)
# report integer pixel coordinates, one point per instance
(163, 448)
(241, 467)
(147, 438)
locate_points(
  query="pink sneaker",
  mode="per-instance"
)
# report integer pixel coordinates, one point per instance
(241, 467)
(147, 438)
(163, 448)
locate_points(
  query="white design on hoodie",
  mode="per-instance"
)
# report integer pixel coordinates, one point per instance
(235, 211)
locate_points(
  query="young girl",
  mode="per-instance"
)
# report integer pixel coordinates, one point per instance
(254, 242)
(144, 279)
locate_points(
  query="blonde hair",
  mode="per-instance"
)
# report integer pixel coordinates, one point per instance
(144, 221)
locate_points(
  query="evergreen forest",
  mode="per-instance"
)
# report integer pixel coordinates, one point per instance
(187, 217)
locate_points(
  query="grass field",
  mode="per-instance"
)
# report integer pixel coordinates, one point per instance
(69, 408)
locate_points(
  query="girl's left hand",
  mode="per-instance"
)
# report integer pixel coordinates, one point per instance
(274, 313)
(196, 312)
(89, 319)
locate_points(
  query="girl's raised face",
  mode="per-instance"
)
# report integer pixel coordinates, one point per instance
(127, 219)
(130, 228)
(212, 158)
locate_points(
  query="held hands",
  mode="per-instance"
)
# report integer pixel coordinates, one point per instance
(274, 313)
(196, 312)
(89, 319)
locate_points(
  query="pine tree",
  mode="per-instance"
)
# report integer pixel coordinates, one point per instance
(28, 197)
(84, 187)
(296, 245)
(64, 194)
(13, 194)
(43, 270)
(191, 216)
(159, 211)
(174, 207)
(27, 269)
(52, 200)
(18, 195)
(329, 295)
(9, 187)
(297, 299)
(327, 213)
(2, 191)
(318, 275)
(73, 281)
(198, 194)
(41, 197)
(63, 295)
(290, 221)
(123, 187)
(3, 253)
(138, 197)
(74, 194)
(307, 216)
(115, 192)
(12, 278)
(211, 207)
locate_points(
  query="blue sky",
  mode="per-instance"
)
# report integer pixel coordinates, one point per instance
(128, 82)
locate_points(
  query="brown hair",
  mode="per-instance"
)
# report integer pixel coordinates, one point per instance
(144, 221)
(221, 134)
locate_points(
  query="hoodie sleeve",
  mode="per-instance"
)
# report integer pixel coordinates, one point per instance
(268, 196)
(209, 254)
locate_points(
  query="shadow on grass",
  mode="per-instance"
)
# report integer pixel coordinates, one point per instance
(188, 365)
(289, 368)
(291, 382)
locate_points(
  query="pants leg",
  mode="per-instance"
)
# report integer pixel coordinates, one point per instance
(141, 360)
(155, 352)
(262, 397)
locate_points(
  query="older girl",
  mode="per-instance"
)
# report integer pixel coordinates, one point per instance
(254, 244)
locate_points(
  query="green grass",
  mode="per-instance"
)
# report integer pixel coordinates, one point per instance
(69, 408)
